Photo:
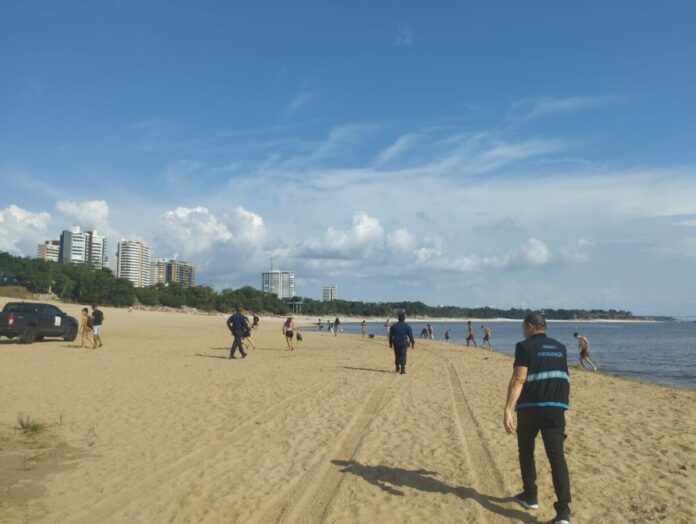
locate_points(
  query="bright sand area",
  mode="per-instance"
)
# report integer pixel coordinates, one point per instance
(159, 426)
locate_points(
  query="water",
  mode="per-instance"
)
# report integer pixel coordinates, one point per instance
(660, 352)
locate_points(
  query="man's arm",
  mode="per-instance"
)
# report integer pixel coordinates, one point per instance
(410, 336)
(519, 375)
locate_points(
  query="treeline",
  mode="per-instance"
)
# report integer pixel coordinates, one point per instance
(419, 309)
(83, 284)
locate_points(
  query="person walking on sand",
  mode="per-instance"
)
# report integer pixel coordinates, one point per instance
(448, 335)
(289, 332)
(539, 391)
(86, 328)
(470, 334)
(363, 328)
(238, 325)
(486, 337)
(387, 325)
(336, 326)
(584, 347)
(246, 338)
(400, 335)
(97, 321)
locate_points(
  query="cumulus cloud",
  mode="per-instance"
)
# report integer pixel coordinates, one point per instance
(247, 227)
(93, 214)
(21, 230)
(401, 240)
(533, 253)
(192, 230)
(365, 236)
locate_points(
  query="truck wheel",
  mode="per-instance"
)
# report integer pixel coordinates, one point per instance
(70, 334)
(29, 335)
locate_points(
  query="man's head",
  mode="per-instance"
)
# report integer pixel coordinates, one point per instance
(94, 306)
(533, 324)
(575, 334)
(85, 310)
(402, 316)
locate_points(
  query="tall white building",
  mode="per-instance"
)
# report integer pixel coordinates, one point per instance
(95, 248)
(133, 262)
(281, 283)
(49, 250)
(329, 293)
(73, 246)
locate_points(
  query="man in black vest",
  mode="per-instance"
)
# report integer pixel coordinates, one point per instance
(238, 326)
(539, 391)
(400, 334)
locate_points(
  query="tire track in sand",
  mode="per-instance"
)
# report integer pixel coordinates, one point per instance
(309, 499)
(97, 512)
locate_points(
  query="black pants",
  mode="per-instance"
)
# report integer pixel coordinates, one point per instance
(400, 354)
(237, 343)
(551, 423)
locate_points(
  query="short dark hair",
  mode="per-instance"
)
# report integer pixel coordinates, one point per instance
(575, 334)
(401, 316)
(536, 320)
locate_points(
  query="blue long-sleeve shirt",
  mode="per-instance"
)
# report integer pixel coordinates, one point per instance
(400, 333)
(237, 324)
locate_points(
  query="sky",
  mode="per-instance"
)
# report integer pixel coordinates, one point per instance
(511, 154)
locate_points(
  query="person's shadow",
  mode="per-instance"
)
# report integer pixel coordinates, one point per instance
(389, 479)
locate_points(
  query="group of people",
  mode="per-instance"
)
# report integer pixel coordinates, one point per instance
(91, 327)
(538, 391)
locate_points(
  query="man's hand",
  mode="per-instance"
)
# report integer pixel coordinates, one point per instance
(509, 421)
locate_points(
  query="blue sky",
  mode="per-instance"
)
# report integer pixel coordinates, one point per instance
(536, 154)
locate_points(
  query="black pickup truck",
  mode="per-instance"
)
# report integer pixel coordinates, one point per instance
(31, 321)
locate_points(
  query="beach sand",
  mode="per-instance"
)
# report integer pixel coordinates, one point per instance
(159, 426)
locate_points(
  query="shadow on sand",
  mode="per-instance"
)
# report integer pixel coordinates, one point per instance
(389, 479)
(368, 369)
(209, 356)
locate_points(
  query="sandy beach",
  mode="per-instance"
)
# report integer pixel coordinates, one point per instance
(159, 426)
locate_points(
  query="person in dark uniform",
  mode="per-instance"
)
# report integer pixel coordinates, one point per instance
(400, 334)
(539, 391)
(239, 327)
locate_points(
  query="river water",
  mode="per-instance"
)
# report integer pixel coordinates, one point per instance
(659, 352)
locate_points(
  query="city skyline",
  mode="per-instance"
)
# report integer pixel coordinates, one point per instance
(504, 154)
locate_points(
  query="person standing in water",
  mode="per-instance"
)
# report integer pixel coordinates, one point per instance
(486, 337)
(470, 334)
(584, 347)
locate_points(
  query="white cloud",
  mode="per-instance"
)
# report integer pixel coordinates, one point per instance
(578, 252)
(22, 230)
(545, 106)
(401, 240)
(192, 230)
(401, 145)
(364, 237)
(92, 214)
(247, 227)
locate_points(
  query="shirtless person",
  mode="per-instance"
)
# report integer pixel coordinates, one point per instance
(486, 337)
(584, 346)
